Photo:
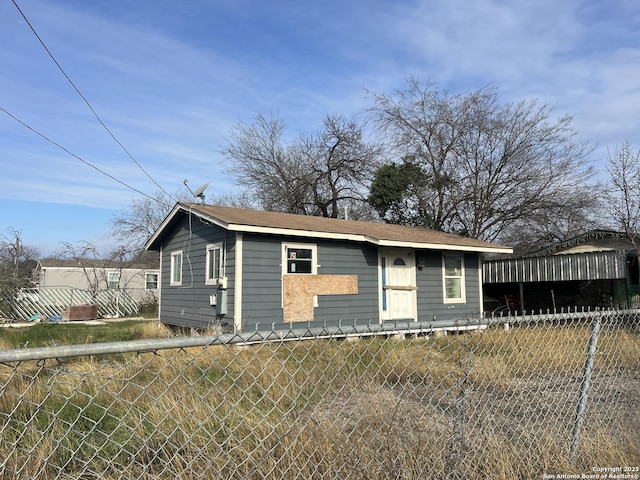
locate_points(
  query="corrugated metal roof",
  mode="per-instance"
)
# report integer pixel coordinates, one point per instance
(592, 241)
(557, 268)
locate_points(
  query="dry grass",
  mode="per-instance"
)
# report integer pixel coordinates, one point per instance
(495, 405)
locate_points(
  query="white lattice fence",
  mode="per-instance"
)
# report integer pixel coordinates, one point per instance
(30, 302)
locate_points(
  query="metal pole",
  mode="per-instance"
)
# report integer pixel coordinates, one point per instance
(247, 338)
(584, 386)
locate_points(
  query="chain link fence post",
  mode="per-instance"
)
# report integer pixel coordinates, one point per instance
(581, 408)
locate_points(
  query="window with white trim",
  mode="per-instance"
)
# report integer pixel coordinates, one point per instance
(299, 259)
(151, 281)
(453, 278)
(113, 280)
(214, 264)
(176, 268)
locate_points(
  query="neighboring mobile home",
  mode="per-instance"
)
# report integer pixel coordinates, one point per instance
(240, 268)
(139, 280)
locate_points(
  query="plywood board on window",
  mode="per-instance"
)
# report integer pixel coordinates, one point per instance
(299, 290)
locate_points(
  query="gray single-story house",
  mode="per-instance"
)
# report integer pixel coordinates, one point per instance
(242, 268)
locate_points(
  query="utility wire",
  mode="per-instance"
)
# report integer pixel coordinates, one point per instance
(95, 114)
(79, 158)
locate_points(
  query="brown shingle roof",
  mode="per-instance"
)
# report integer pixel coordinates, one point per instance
(380, 233)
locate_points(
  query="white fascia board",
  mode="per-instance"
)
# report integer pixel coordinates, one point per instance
(180, 208)
(296, 233)
(162, 226)
(438, 246)
(211, 220)
(363, 239)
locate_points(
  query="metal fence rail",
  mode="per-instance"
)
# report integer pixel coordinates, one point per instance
(549, 395)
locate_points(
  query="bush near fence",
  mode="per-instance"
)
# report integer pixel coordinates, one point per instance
(549, 395)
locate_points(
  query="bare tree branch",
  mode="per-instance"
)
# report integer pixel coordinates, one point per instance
(490, 166)
(315, 174)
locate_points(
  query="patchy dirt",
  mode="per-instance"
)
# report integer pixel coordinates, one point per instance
(531, 421)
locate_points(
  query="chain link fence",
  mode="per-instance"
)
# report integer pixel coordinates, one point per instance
(513, 398)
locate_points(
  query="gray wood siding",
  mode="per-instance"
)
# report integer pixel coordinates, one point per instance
(262, 280)
(188, 304)
(346, 258)
(430, 288)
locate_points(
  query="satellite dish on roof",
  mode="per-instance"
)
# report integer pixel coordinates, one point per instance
(199, 192)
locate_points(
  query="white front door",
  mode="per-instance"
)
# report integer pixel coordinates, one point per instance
(398, 279)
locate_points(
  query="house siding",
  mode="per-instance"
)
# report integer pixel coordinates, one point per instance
(345, 258)
(188, 304)
(91, 278)
(262, 280)
(431, 304)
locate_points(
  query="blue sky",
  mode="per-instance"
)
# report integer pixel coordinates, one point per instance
(171, 78)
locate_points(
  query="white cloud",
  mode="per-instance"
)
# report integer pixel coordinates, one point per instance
(170, 80)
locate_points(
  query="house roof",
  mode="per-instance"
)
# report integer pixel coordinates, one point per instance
(597, 240)
(93, 263)
(275, 223)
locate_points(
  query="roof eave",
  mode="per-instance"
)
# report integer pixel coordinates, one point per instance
(150, 244)
(295, 232)
(442, 246)
(366, 239)
(179, 207)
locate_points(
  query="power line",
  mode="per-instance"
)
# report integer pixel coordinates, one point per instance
(89, 164)
(95, 114)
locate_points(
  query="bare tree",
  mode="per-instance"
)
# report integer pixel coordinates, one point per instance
(623, 195)
(315, 174)
(17, 262)
(424, 125)
(555, 223)
(489, 165)
(133, 226)
(87, 257)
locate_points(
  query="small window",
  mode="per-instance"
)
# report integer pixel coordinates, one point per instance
(453, 276)
(151, 281)
(214, 264)
(299, 259)
(113, 280)
(176, 268)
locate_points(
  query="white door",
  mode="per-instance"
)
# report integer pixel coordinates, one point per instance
(398, 285)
